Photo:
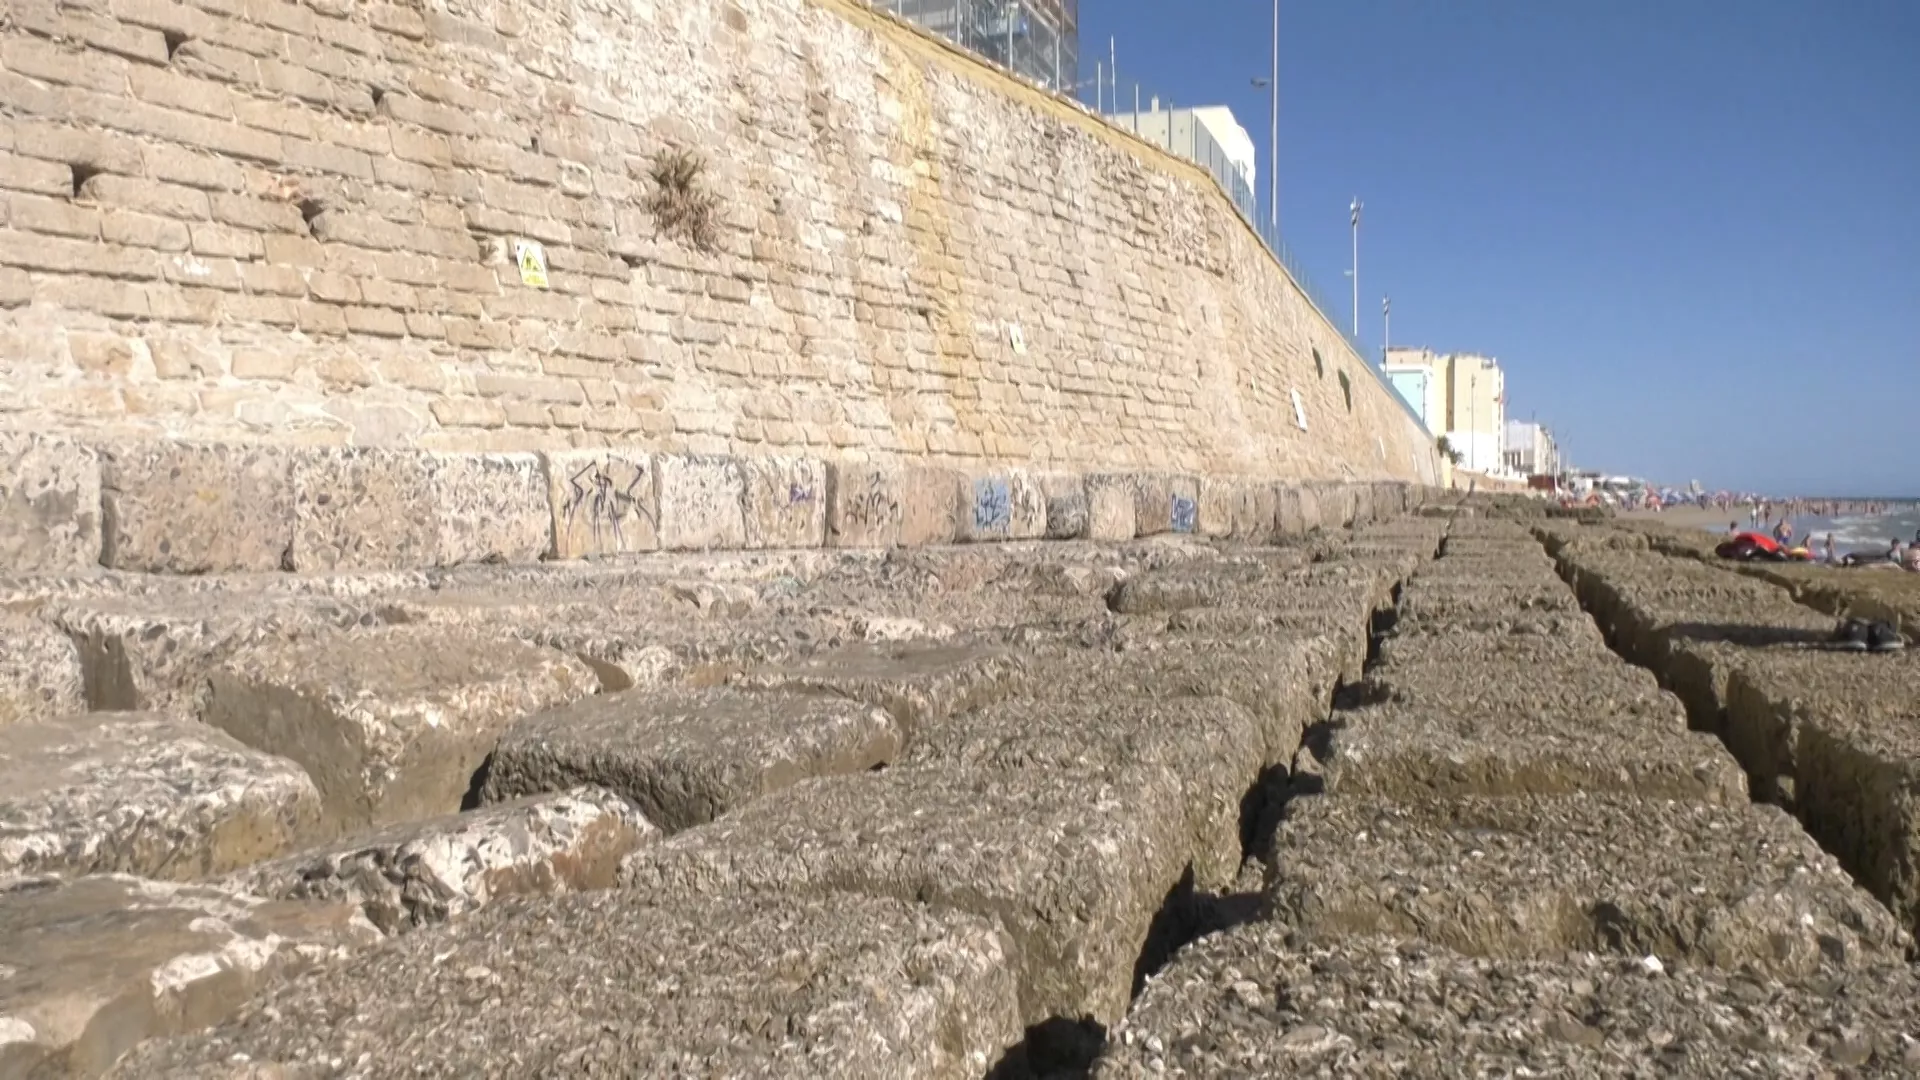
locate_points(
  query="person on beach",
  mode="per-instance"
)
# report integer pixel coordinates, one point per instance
(1829, 547)
(1783, 532)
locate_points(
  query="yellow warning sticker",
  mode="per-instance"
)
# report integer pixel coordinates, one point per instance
(533, 263)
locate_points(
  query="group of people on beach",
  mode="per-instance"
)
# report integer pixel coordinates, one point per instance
(1904, 556)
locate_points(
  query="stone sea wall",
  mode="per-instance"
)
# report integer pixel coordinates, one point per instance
(296, 227)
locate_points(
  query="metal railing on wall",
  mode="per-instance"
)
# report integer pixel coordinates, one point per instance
(1037, 40)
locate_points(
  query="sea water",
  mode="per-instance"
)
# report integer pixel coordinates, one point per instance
(1864, 533)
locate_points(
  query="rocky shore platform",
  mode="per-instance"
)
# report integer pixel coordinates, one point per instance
(1460, 790)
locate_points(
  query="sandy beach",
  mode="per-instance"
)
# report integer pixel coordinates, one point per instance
(1692, 517)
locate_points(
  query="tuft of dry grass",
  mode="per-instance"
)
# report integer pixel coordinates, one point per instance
(680, 203)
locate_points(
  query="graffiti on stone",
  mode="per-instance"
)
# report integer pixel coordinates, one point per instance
(604, 502)
(870, 509)
(1186, 514)
(799, 494)
(992, 505)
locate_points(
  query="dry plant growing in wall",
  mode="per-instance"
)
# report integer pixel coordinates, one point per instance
(681, 205)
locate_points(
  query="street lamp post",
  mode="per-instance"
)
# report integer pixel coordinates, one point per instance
(1273, 135)
(1473, 420)
(1386, 327)
(1355, 208)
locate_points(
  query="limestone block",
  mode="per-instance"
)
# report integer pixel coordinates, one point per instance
(842, 986)
(1152, 503)
(786, 503)
(1110, 508)
(604, 502)
(1261, 508)
(153, 653)
(49, 505)
(1222, 507)
(686, 755)
(1336, 505)
(1075, 863)
(392, 724)
(490, 508)
(1066, 496)
(1735, 887)
(1213, 746)
(1313, 516)
(420, 873)
(40, 674)
(1231, 1005)
(701, 503)
(1361, 495)
(916, 684)
(1005, 505)
(863, 506)
(95, 965)
(933, 501)
(1289, 512)
(144, 794)
(185, 508)
(363, 509)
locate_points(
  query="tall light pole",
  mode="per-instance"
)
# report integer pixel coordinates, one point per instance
(1355, 208)
(1473, 419)
(1386, 327)
(1272, 84)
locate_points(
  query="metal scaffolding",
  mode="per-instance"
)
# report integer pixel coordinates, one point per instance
(1039, 39)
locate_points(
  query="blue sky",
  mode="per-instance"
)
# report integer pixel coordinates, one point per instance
(1689, 230)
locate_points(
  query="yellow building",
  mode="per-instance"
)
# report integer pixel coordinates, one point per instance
(1462, 396)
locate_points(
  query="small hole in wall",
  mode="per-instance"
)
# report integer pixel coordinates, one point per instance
(82, 173)
(1346, 390)
(533, 143)
(634, 262)
(378, 93)
(174, 40)
(309, 210)
(1319, 365)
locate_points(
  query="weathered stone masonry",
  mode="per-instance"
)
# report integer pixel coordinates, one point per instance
(252, 222)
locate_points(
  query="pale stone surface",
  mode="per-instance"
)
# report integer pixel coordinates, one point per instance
(154, 652)
(687, 755)
(604, 502)
(49, 505)
(95, 965)
(490, 508)
(917, 683)
(1075, 864)
(143, 794)
(363, 509)
(1216, 749)
(1256, 1001)
(1110, 508)
(933, 501)
(863, 506)
(1007, 505)
(182, 508)
(701, 503)
(40, 673)
(617, 984)
(420, 873)
(786, 502)
(391, 724)
(1536, 878)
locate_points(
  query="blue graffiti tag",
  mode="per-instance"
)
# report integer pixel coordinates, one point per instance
(797, 493)
(992, 508)
(1186, 514)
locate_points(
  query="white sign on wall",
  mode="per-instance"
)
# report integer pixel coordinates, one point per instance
(1299, 410)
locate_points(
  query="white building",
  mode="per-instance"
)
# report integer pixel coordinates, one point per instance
(1531, 450)
(1209, 136)
(1461, 396)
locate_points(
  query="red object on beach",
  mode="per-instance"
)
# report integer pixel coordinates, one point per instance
(1760, 540)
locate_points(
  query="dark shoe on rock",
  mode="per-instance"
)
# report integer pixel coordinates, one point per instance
(1852, 635)
(1882, 637)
